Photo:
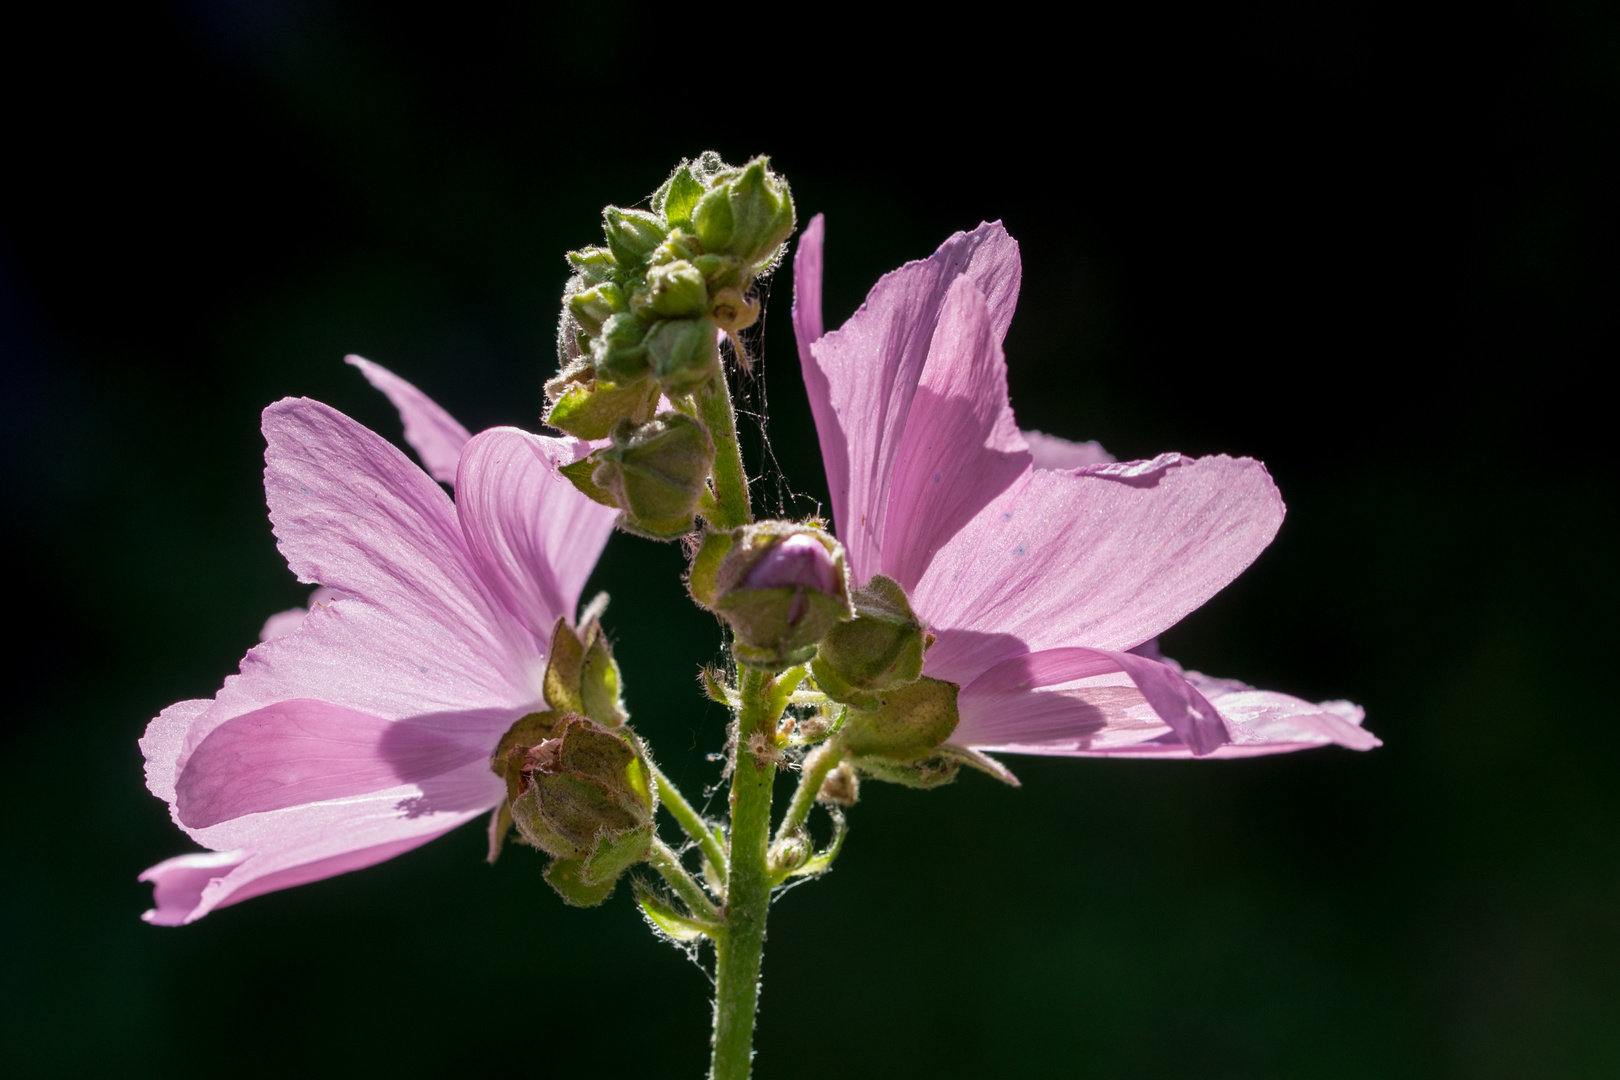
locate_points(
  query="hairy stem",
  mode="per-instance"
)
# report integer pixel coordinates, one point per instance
(822, 760)
(662, 858)
(670, 797)
(748, 883)
(730, 481)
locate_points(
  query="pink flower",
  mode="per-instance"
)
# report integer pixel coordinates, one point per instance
(367, 730)
(1045, 569)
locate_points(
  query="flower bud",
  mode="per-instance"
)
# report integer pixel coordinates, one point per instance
(677, 290)
(788, 854)
(592, 265)
(748, 214)
(619, 352)
(880, 649)
(591, 307)
(841, 787)
(632, 235)
(582, 797)
(908, 724)
(655, 473)
(780, 586)
(684, 355)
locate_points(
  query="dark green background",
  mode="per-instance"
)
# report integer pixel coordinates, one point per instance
(1372, 247)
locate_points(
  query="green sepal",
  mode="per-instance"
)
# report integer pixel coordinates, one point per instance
(714, 687)
(567, 878)
(927, 773)
(563, 665)
(619, 352)
(909, 724)
(702, 574)
(600, 682)
(590, 412)
(579, 474)
(615, 853)
(669, 920)
(632, 235)
(678, 197)
(986, 764)
(500, 823)
(712, 220)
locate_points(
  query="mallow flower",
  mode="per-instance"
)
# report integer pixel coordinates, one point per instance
(1042, 570)
(366, 729)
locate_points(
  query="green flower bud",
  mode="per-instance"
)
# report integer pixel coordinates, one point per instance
(880, 649)
(780, 586)
(620, 351)
(656, 474)
(593, 265)
(582, 797)
(593, 306)
(677, 290)
(632, 235)
(908, 724)
(720, 271)
(748, 214)
(684, 355)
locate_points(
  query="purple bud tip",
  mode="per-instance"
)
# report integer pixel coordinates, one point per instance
(798, 560)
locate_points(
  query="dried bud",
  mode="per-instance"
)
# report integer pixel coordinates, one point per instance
(632, 235)
(583, 797)
(684, 355)
(880, 649)
(732, 310)
(656, 473)
(589, 409)
(780, 586)
(841, 787)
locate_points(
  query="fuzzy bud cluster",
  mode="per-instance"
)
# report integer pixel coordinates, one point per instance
(643, 313)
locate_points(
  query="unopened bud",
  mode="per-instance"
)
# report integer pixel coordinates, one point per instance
(779, 585)
(788, 854)
(684, 355)
(655, 473)
(748, 214)
(620, 351)
(880, 649)
(583, 797)
(591, 307)
(593, 265)
(841, 787)
(677, 290)
(632, 235)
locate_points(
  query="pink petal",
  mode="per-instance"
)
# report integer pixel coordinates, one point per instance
(1105, 557)
(306, 751)
(861, 377)
(435, 435)
(1063, 703)
(961, 447)
(178, 883)
(282, 623)
(1051, 452)
(421, 633)
(533, 536)
(1000, 706)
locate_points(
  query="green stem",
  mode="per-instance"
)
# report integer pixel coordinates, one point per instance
(748, 884)
(822, 760)
(730, 481)
(662, 858)
(670, 797)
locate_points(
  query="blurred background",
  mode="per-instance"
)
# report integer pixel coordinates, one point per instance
(1373, 247)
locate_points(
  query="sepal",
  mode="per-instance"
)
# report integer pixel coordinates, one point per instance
(880, 649)
(656, 474)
